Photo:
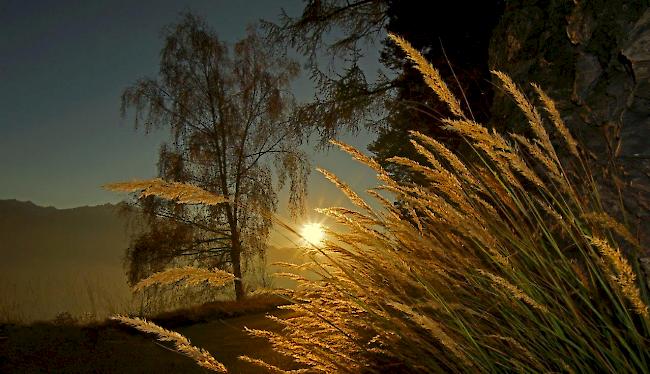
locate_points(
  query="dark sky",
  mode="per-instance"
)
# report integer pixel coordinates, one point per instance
(63, 65)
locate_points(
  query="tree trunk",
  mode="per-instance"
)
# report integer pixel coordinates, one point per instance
(235, 256)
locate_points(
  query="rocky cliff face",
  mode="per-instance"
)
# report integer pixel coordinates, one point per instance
(593, 58)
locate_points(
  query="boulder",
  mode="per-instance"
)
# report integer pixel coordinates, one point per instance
(593, 58)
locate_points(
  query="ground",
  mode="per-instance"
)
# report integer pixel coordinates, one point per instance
(109, 348)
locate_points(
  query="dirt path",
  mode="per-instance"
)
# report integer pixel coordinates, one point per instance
(71, 349)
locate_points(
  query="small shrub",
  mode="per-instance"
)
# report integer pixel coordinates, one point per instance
(64, 319)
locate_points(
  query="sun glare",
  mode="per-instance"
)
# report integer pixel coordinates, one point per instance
(313, 233)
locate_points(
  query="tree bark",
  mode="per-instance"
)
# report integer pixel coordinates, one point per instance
(235, 256)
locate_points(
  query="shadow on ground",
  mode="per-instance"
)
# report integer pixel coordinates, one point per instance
(111, 348)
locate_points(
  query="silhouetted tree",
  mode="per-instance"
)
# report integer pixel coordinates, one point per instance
(228, 112)
(345, 98)
(449, 34)
(454, 37)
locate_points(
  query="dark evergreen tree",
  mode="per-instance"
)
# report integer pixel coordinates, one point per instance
(454, 36)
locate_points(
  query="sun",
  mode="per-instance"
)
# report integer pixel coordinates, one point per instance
(313, 233)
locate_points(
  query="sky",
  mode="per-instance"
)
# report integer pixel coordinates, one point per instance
(63, 67)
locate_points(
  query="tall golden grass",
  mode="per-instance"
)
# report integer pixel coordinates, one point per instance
(506, 263)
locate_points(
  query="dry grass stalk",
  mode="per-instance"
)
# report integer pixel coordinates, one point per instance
(604, 220)
(188, 275)
(374, 165)
(550, 107)
(454, 162)
(519, 347)
(431, 76)
(540, 156)
(268, 367)
(202, 357)
(514, 291)
(625, 277)
(434, 328)
(353, 196)
(181, 193)
(534, 119)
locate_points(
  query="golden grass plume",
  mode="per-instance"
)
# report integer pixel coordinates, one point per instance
(187, 275)
(181, 193)
(202, 357)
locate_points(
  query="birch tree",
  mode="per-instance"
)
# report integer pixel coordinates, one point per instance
(229, 114)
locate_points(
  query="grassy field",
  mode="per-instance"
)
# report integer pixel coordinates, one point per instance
(86, 294)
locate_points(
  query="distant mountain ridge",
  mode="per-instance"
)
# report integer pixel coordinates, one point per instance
(56, 260)
(17, 206)
(88, 235)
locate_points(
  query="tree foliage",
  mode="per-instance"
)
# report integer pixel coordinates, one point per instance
(330, 34)
(228, 111)
(453, 39)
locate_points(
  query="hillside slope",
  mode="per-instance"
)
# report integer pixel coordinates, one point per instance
(56, 260)
(70, 260)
